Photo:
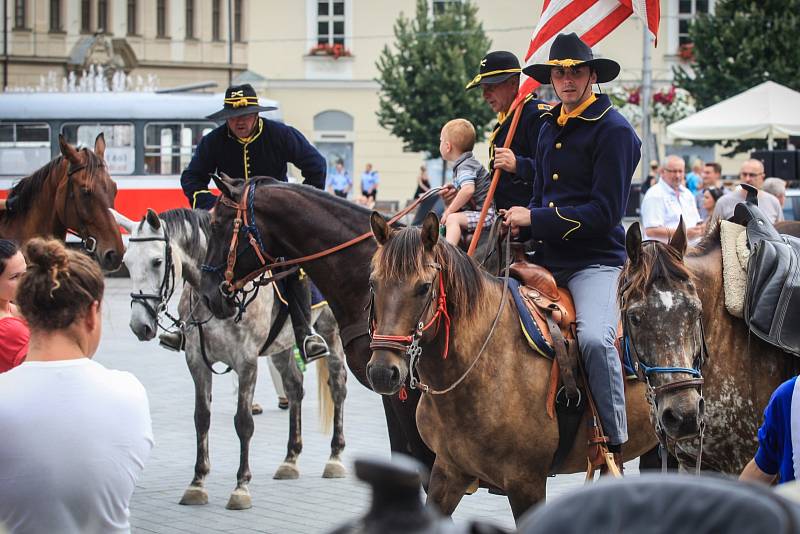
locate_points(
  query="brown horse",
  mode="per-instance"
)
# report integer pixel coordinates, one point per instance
(71, 193)
(484, 415)
(673, 304)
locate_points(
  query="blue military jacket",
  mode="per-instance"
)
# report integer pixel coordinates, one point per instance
(265, 154)
(516, 189)
(583, 178)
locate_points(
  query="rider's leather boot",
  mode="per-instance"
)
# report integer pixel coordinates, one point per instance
(312, 346)
(172, 341)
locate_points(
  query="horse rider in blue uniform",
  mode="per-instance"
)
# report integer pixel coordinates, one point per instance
(248, 145)
(498, 78)
(586, 156)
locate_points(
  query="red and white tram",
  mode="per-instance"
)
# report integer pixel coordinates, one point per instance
(150, 138)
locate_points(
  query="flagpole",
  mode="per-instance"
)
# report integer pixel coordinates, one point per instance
(647, 90)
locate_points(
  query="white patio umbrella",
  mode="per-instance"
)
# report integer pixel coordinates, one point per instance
(767, 110)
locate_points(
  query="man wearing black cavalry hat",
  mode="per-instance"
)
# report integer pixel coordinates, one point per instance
(585, 158)
(498, 78)
(248, 145)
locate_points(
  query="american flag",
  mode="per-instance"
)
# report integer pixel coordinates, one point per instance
(592, 20)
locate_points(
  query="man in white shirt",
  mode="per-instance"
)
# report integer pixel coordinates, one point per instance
(667, 201)
(751, 173)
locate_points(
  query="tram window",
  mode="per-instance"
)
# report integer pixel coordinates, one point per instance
(168, 147)
(24, 147)
(120, 152)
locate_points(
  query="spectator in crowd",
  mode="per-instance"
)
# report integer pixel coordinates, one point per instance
(777, 188)
(470, 180)
(712, 177)
(75, 434)
(339, 182)
(777, 438)
(694, 181)
(369, 183)
(652, 177)
(13, 328)
(751, 173)
(668, 201)
(423, 182)
(710, 197)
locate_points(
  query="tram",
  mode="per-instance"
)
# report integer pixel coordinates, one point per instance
(150, 138)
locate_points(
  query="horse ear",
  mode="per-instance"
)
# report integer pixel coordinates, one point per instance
(152, 219)
(123, 221)
(430, 231)
(678, 239)
(224, 184)
(380, 228)
(633, 243)
(100, 145)
(68, 151)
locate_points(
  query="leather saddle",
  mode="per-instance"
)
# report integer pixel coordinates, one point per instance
(772, 294)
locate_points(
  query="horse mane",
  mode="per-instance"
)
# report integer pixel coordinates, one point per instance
(26, 190)
(199, 222)
(658, 262)
(709, 242)
(402, 257)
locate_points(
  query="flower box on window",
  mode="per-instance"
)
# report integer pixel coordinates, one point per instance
(335, 50)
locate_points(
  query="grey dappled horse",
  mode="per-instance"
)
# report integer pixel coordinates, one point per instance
(176, 241)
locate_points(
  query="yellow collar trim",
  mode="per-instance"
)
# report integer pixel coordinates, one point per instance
(565, 62)
(248, 140)
(477, 79)
(564, 116)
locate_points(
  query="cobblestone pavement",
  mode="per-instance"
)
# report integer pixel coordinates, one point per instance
(307, 505)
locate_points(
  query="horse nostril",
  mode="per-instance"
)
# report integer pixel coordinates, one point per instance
(110, 258)
(148, 332)
(671, 419)
(395, 374)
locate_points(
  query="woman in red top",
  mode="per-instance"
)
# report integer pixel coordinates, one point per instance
(14, 331)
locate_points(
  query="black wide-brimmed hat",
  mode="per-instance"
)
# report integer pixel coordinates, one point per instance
(496, 67)
(569, 51)
(239, 100)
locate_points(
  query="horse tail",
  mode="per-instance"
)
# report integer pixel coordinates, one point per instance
(325, 397)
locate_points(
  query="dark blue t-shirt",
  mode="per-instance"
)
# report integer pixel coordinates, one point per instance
(774, 453)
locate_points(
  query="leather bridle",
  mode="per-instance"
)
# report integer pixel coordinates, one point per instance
(88, 242)
(166, 288)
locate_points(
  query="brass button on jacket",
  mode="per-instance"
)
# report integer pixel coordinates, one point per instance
(555, 177)
(558, 146)
(551, 205)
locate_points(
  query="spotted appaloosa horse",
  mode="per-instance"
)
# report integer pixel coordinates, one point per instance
(666, 296)
(168, 248)
(71, 193)
(485, 415)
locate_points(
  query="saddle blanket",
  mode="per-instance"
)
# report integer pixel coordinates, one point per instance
(530, 329)
(735, 254)
(317, 298)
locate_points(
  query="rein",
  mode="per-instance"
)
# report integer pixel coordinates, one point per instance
(410, 344)
(88, 242)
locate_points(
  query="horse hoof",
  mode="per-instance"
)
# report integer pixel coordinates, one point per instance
(287, 471)
(194, 496)
(334, 469)
(257, 409)
(240, 500)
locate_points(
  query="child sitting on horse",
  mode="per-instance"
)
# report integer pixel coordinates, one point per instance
(470, 179)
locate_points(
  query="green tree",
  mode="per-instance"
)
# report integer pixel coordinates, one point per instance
(422, 77)
(745, 43)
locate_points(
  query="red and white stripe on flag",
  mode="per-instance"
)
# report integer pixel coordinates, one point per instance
(592, 20)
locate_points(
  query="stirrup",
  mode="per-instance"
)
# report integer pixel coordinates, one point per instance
(314, 337)
(174, 341)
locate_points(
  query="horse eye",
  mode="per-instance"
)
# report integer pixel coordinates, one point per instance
(157, 262)
(635, 319)
(87, 192)
(423, 289)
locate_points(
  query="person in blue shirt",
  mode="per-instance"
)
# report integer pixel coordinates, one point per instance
(369, 183)
(774, 461)
(339, 182)
(585, 159)
(248, 145)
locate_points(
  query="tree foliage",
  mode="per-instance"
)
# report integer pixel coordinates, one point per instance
(745, 43)
(422, 77)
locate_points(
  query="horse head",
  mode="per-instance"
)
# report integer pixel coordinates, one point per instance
(662, 316)
(413, 276)
(83, 199)
(154, 272)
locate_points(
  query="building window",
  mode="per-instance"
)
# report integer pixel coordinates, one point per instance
(439, 6)
(237, 21)
(190, 19)
(687, 11)
(330, 22)
(161, 18)
(132, 17)
(86, 16)
(102, 16)
(19, 14)
(168, 147)
(216, 20)
(55, 15)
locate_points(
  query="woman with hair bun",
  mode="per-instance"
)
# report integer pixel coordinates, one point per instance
(75, 434)
(13, 329)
